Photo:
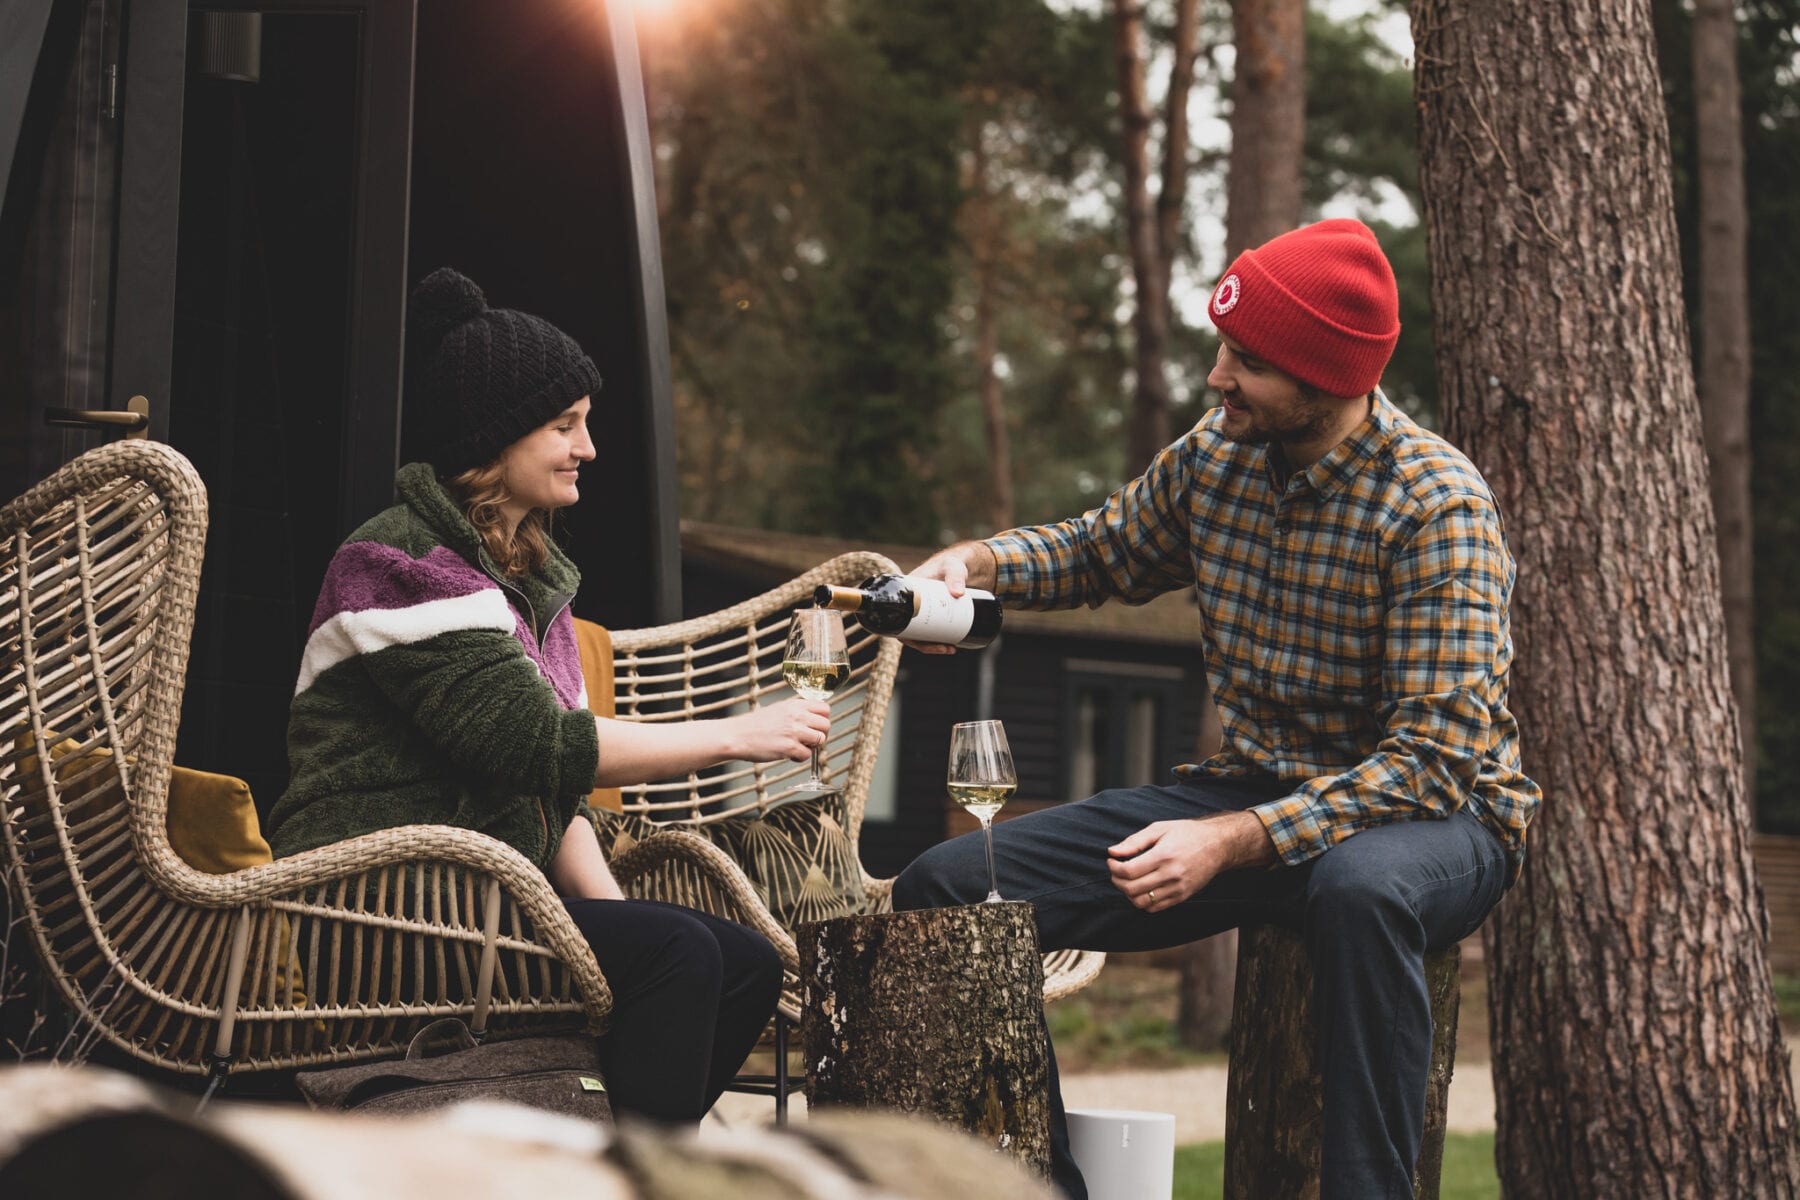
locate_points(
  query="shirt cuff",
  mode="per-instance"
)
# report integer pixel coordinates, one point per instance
(1294, 826)
(1012, 566)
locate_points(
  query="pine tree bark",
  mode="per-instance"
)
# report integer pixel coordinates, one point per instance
(1268, 122)
(1636, 1050)
(1273, 1097)
(936, 1011)
(1149, 316)
(1724, 344)
(1268, 134)
(984, 227)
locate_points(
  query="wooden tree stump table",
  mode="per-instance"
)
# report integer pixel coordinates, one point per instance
(1273, 1093)
(937, 1012)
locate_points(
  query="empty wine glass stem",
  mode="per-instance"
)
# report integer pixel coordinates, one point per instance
(987, 836)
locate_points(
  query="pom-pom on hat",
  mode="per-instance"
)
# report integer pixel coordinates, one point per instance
(486, 377)
(1318, 303)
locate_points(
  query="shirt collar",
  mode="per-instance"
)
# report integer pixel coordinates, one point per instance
(1341, 463)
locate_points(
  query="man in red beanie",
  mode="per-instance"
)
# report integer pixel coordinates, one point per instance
(1353, 581)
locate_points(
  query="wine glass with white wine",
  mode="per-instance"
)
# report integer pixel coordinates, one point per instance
(816, 664)
(981, 778)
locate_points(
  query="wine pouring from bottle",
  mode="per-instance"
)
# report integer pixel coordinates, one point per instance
(917, 610)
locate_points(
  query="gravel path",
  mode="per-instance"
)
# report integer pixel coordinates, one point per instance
(1196, 1095)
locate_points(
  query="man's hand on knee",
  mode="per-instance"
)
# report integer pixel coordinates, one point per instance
(1163, 864)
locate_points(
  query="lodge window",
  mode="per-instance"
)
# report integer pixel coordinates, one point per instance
(1119, 722)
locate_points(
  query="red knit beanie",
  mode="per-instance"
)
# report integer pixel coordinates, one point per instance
(1318, 303)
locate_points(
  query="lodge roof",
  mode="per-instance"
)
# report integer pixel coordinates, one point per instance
(768, 558)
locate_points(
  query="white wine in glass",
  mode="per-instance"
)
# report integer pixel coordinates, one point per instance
(815, 665)
(981, 779)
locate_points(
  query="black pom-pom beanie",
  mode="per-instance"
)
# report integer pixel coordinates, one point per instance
(484, 376)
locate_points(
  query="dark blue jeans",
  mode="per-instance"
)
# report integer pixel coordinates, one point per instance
(1369, 908)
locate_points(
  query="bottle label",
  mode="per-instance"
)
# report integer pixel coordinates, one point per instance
(941, 617)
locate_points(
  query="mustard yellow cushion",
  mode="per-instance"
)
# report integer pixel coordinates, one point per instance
(212, 822)
(595, 645)
(212, 818)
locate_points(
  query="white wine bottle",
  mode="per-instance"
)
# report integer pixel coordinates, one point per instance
(919, 610)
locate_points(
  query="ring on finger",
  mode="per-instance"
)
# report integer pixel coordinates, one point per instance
(1152, 894)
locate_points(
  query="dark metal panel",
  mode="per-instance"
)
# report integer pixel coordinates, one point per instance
(378, 317)
(662, 503)
(152, 77)
(522, 163)
(24, 25)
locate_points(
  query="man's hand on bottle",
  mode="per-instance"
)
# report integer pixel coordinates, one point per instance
(962, 566)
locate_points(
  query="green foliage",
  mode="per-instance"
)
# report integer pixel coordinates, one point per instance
(825, 215)
(1769, 80)
(1469, 1172)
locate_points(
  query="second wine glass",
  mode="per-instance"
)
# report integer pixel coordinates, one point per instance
(815, 665)
(981, 778)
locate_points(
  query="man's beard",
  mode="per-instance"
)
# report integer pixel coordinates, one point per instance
(1310, 420)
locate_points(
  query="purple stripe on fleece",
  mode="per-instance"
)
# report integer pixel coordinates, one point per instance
(369, 575)
(562, 659)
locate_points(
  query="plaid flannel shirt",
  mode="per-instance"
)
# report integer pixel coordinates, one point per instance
(1355, 620)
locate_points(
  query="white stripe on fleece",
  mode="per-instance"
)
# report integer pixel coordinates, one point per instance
(371, 629)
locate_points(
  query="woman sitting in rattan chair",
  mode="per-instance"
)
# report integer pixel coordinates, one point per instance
(441, 684)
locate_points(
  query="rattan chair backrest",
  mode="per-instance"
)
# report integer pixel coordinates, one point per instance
(719, 664)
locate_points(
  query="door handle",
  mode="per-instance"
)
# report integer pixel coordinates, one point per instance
(134, 418)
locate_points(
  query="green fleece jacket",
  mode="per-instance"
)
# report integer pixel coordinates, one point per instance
(433, 693)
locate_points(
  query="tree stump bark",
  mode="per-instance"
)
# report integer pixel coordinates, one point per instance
(938, 1011)
(1273, 1093)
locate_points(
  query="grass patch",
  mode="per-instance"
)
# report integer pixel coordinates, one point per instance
(1468, 1169)
(1125, 1019)
(1787, 1000)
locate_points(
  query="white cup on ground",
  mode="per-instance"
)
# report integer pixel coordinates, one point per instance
(1124, 1154)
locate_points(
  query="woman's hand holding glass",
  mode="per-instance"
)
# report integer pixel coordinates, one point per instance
(791, 729)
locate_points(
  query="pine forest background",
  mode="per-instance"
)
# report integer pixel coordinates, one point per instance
(897, 253)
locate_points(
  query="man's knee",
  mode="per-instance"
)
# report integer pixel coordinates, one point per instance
(1353, 893)
(937, 878)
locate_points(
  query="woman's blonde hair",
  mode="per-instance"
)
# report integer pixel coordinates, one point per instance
(482, 491)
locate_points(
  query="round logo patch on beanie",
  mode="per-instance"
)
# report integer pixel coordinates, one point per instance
(1225, 296)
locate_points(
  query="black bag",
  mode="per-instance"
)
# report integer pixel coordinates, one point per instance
(444, 1065)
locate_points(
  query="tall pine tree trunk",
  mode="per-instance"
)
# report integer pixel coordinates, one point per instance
(1153, 229)
(1723, 341)
(1268, 135)
(1268, 121)
(982, 226)
(1636, 1050)
(1149, 317)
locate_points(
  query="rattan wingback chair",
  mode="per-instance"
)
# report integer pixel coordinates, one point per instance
(330, 956)
(713, 665)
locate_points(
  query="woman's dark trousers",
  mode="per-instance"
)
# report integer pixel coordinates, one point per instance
(1370, 909)
(691, 994)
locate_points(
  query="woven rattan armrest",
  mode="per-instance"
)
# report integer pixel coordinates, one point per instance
(521, 884)
(635, 869)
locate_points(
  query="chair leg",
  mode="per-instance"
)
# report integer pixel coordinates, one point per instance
(781, 1069)
(218, 1067)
